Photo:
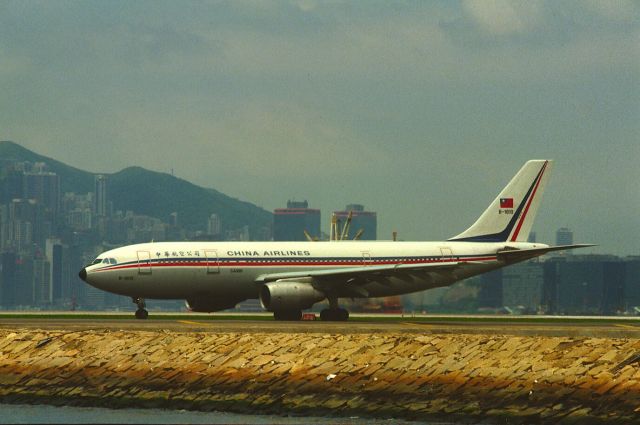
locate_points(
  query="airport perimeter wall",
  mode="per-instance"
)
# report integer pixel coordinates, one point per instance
(461, 377)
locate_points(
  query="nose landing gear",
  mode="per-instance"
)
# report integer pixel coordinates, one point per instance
(141, 312)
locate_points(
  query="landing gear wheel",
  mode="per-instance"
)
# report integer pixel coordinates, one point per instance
(334, 315)
(142, 314)
(288, 315)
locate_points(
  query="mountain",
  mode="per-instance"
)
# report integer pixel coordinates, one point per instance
(152, 193)
(71, 179)
(159, 194)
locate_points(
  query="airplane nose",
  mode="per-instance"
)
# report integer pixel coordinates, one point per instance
(83, 274)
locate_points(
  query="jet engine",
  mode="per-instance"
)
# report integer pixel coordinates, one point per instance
(210, 305)
(280, 296)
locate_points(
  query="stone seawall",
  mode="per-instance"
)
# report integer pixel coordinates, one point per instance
(411, 376)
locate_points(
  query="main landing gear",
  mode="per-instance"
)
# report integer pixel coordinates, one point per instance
(141, 312)
(327, 315)
(334, 315)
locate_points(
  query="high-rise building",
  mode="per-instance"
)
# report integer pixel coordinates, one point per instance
(214, 225)
(100, 199)
(11, 184)
(173, 219)
(57, 255)
(632, 285)
(44, 187)
(88, 296)
(490, 294)
(523, 285)
(78, 210)
(366, 221)
(289, 224)
(42, 290)
(24, 289)
(174, 232)
(8, 279)
(584, 284)
(25, 223)
(142, 228)
(564, 236)
(92, 298)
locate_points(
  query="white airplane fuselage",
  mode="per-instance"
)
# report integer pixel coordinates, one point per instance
(229, 270)
(290, 277)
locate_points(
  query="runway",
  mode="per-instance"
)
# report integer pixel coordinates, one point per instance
(612, 327)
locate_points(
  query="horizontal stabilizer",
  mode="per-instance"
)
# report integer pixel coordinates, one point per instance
(516, 255)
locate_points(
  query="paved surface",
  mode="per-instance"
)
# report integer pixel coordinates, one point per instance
(621, 329)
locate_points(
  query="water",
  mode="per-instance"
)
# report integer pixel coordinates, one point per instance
(43, 414)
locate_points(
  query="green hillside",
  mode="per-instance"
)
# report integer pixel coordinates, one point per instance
(71, 179)
(159, 194)
(152, 193)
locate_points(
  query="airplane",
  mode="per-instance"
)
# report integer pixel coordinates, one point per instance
(289, 277)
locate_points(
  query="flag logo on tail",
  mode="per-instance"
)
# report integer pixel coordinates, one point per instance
(506, 202)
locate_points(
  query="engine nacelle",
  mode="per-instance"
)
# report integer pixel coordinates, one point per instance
(209, 305)
(278, 296)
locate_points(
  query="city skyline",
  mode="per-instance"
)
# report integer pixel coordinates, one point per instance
(99, 204)
(420, 111)
(46, 235)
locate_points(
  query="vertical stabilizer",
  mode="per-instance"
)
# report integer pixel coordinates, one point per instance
(510, 216)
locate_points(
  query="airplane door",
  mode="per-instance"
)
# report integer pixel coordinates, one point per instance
(447, 253)
(213, 264)
(144, 262)
(366, 258)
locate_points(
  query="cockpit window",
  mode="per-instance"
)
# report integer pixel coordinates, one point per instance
(105, 261)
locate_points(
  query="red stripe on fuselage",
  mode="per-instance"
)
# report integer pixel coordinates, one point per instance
(526, 209)
(259, 263)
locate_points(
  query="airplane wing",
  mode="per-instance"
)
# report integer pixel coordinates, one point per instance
(350, 281)
(515, 255)
(345, 273)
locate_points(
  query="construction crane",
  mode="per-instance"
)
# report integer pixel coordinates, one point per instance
(345, 228)
(333, 231)
(309, 237)
(337, 232)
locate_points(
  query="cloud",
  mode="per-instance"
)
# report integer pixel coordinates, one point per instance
(404, 45)
(614, 10)
(240, 140)
(12, 65)
(504, 17)
(306, 5)
(328, 100)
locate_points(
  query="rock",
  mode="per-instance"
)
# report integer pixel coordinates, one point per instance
(378, 374)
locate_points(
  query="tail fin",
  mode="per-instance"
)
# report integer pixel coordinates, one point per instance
(510, 216)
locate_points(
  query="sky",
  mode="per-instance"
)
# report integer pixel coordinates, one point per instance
(420, 110)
